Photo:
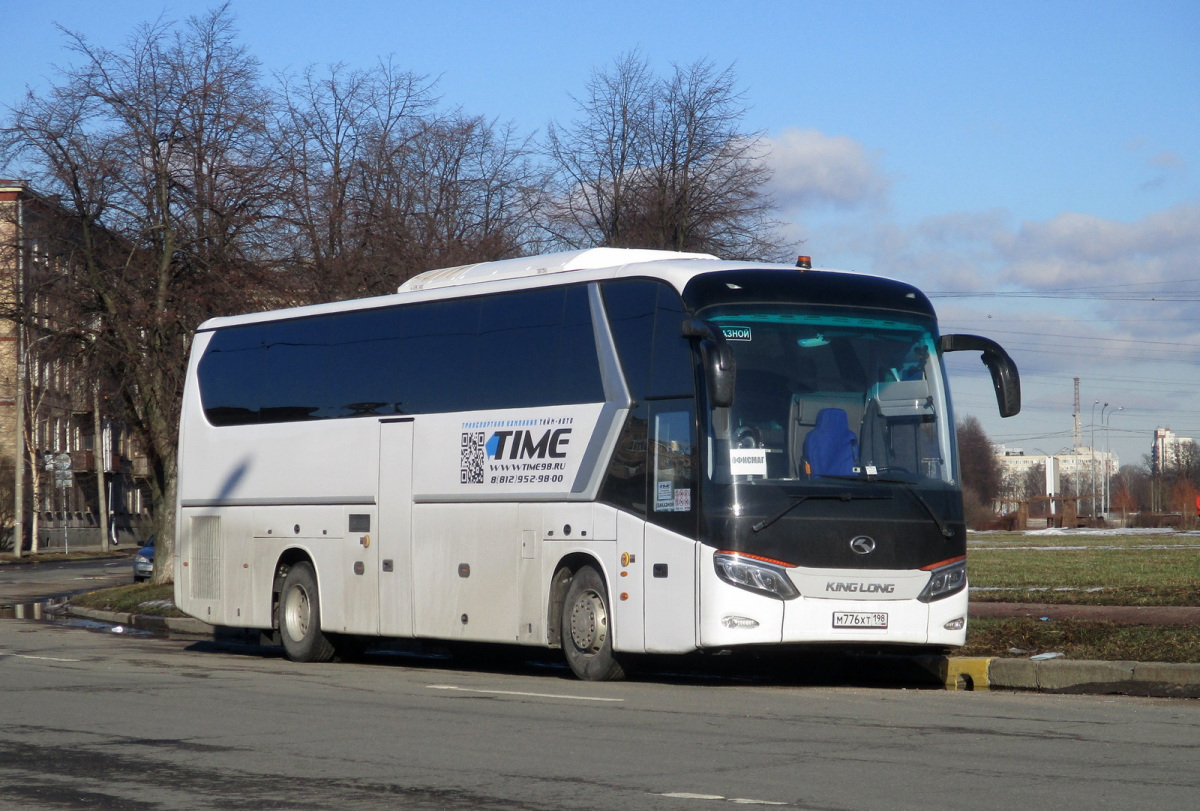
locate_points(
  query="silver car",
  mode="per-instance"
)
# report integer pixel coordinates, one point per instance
(143, 562)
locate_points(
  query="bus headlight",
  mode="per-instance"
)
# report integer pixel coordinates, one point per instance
(944, 581)
(755, 574)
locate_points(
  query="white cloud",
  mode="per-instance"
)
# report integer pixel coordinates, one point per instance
(813, 170)
(1082, 249)
(1167, 160)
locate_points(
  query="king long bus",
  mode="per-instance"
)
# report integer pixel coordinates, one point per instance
(610, 452)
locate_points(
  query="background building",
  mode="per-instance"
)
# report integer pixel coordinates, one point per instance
(58, 439)
(1080, 471)
(1169, 451)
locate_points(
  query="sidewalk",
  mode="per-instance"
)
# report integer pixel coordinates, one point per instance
(58, 556)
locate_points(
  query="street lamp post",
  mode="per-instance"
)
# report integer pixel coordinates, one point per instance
(1103, 509)
(1093, 444)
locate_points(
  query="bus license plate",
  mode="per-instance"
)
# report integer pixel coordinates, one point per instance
(860, 619)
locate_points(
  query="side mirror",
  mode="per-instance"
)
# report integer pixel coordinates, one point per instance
(717, 358)
(1005, 378)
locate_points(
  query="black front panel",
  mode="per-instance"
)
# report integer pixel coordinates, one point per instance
(817, 531)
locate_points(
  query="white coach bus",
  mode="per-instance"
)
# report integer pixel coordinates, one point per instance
(608, 451)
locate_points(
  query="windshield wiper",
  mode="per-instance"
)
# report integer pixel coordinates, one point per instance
(916, 494)
(766, 522)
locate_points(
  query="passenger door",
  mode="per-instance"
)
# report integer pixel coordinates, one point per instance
(669, 568)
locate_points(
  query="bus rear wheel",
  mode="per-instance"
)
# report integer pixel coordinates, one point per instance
(586, 634)
(300, 616)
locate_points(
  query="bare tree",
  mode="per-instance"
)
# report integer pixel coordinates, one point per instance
(464, 194)
(981, 472)
(341, 133)
(661, 163)
(706, 177)
(384, 187)
(598, 159)
(1131, 489)
(160, 154)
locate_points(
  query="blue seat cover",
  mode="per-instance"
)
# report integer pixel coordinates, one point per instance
(831, 448)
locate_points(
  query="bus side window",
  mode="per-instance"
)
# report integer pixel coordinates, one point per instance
(625, 483)
(673, 462)
(645, 318)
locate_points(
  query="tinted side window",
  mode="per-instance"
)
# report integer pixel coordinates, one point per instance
(578, 368)
(231, 372)
(367, 365)
(653, 470)
(646, 318)
(295, 360)
(518, 343)
(525, 349)
(672, 374)
(439, 354)
(630, 307)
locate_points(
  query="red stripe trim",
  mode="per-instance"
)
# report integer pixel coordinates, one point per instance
(942, 563)
(756, 557)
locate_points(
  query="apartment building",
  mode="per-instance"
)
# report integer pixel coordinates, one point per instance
(1169, 451)
(62, 454)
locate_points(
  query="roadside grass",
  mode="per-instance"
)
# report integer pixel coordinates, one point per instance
(137, 598)
(1074, 639)
(1085, 569)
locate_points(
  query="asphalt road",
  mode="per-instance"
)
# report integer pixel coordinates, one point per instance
(93, 718)
(27, 582)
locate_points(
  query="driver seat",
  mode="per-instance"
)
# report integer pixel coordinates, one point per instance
(831, 448)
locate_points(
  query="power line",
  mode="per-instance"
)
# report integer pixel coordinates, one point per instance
(1091, 339)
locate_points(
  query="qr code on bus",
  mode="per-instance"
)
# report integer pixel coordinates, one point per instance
(471, 470)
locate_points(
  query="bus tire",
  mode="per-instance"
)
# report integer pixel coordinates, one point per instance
(300, 616)
(586, 634)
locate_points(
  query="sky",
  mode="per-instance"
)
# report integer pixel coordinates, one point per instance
(1033, 166)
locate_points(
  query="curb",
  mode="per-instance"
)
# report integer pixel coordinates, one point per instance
(145, 622)
(1154, 679)
(1160, 679)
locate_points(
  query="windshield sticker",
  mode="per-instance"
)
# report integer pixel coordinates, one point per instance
(665, 502)
(683, 499)
(748, 463)
(672, 499)
(736, 333)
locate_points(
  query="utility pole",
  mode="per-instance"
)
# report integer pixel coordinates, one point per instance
(19, 458)
(1093, 449)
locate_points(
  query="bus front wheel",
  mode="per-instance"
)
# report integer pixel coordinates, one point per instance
(300, 616)
(587, 628)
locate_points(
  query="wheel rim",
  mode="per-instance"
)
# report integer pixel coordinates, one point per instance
(297, 613)
(589, 622)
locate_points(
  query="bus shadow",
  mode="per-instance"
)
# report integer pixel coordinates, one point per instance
(799, 667)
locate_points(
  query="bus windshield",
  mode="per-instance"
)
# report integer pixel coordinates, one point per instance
(832, 394)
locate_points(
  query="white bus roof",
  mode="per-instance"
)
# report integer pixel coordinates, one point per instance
(590, 259)
(493, 277)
